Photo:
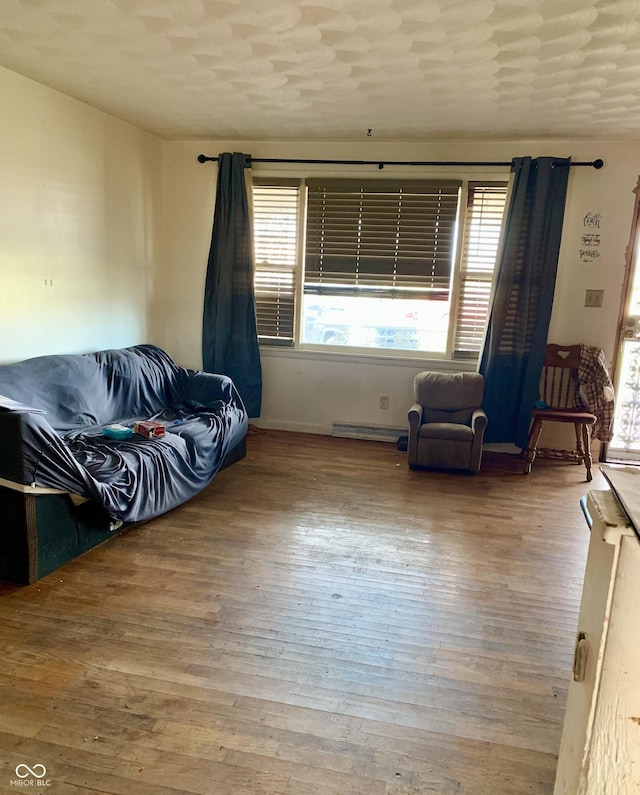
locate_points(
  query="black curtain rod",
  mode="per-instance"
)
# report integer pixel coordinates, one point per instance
(381, 164)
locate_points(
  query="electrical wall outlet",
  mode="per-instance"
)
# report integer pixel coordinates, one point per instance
(384, 402)
(593, 297)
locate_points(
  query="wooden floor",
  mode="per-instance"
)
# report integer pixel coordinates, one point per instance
(319, 621)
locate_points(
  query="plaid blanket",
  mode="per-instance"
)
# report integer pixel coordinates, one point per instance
(594, 390)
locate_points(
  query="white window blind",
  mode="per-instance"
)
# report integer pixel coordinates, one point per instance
(380, 237)
(483, 223)
(275, 233)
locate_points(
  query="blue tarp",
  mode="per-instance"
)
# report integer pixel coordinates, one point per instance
(132, 479)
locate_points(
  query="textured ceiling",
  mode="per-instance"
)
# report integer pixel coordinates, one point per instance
(331, 69)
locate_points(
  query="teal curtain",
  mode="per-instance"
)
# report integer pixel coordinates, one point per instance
(229, 327)
(514, 349)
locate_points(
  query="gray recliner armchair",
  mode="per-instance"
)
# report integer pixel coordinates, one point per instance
(446, 423)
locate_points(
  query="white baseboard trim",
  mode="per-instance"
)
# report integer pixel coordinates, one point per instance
(336, 429)
(326, 430)
(375, 433)
(294, 427)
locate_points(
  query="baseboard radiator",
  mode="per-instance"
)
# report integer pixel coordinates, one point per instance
(374, 433)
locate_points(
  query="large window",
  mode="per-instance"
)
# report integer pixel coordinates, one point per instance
(403, 266)
(378, 261)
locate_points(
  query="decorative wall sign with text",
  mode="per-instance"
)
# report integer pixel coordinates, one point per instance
(590, 238)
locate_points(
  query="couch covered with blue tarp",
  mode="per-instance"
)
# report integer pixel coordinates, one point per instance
(56, 461)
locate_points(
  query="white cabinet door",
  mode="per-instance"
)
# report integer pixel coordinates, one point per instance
(613, 758)
(598, 616)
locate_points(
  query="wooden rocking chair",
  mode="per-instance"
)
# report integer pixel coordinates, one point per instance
(557, 403)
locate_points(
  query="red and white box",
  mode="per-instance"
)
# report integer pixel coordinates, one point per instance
(149, 429)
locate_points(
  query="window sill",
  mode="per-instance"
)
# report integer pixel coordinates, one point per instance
(353, 357)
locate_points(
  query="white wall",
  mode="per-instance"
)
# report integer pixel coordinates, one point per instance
(608, 192)
(79, 225)
(307, 391)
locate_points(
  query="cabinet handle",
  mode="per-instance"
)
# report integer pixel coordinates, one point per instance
(580, 655)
